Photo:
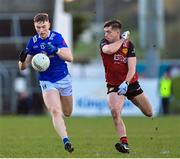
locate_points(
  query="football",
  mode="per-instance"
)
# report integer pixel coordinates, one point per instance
(40, 62)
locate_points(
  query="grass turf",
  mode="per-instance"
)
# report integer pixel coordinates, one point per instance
(93, 137)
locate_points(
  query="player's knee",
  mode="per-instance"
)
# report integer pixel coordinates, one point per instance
(149, 113)
(67, 114)
(55, 111)
(115, 113)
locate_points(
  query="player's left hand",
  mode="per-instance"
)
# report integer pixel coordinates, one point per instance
(123, 87)
(51, 48)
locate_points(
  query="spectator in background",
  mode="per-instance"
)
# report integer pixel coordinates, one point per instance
(24, 100)
(165, 90)
(55, 82)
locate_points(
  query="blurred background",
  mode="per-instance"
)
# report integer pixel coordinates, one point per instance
(155, 31)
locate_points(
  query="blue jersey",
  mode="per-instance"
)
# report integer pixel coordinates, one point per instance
(58, 67)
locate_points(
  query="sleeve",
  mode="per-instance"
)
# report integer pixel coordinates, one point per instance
(29, 47)
(102, 43)
(60, 41)
(131, 50)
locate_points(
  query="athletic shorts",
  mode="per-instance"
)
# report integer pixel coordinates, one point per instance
(64, 86)
(134, 89)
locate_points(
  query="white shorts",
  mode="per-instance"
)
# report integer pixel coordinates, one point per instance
(64, 86)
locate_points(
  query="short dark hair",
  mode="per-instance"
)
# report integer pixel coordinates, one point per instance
(41, 17)
(115, 24)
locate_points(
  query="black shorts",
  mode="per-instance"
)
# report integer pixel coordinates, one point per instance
(134, 89)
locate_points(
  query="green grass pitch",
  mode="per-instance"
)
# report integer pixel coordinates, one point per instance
(93, 137)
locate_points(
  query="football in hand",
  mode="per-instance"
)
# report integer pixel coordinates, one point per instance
(40, 62)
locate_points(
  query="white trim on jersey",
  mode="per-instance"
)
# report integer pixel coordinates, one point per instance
(34, 38)
(52, 36)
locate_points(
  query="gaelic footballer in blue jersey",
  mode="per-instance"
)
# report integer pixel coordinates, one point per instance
(55, 82)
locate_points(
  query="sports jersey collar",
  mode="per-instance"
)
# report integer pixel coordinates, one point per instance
(47, 35)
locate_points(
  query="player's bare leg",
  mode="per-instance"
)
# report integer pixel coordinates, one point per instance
(67, 102)
(53, 104)
(115, 104)
(142, 102)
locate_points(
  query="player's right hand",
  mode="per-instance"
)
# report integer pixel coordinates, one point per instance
(23, 55)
